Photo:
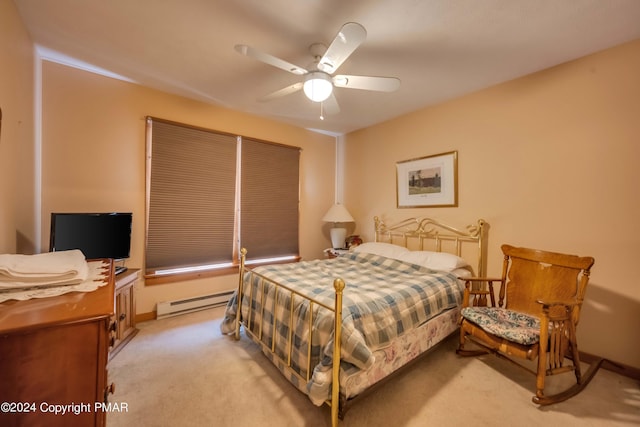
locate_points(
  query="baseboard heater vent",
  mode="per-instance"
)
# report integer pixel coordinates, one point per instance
(189, 305)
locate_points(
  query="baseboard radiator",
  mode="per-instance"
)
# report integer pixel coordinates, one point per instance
(189, 305)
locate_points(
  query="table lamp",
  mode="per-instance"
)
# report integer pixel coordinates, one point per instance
(338, 214)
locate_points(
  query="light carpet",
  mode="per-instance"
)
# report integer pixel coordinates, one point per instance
(181, 371)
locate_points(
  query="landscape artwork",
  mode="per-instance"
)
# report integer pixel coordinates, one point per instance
(429, 181)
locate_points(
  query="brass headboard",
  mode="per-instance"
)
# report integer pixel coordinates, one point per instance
(429, 234)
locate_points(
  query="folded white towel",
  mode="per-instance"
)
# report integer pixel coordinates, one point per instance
(97, 277)
(63, 267)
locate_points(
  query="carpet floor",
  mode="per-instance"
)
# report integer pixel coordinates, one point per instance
(181, 371)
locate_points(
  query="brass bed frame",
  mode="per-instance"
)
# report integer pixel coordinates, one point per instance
(414, 233)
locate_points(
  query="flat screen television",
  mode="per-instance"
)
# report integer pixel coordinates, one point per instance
(97, 235)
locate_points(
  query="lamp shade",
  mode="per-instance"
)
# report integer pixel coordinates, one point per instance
(337, 213)
(317, 86)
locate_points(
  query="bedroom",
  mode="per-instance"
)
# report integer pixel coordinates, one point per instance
(548, 160)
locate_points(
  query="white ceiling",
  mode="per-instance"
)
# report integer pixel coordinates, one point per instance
(440, 49)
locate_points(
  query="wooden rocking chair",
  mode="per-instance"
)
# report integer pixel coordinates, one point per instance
(538, 308)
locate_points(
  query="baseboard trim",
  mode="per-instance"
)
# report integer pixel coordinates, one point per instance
(143, 317)
(609, 365)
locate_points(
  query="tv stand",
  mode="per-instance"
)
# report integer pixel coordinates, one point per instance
(124, 325)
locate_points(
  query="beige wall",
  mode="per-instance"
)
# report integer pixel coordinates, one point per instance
(93, 153)
(549, 161)
(17, 147)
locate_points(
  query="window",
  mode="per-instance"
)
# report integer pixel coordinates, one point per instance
(210, 193)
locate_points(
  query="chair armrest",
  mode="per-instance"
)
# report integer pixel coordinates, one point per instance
(558, 318)
(480, 294)
(469, 280)
(557, 311)
(554, 303)
(480, 279)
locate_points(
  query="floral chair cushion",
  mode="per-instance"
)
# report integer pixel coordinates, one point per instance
(510, 325)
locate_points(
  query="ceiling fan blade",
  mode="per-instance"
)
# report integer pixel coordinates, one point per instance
(330, 105)
(245, 50)
(380, 84)
(282, 92)
(350, 36)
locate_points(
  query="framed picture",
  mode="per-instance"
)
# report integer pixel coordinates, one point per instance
(428, 181)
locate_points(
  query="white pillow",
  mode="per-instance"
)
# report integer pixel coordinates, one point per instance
(440, 261)
(417, 257)
(383, 249)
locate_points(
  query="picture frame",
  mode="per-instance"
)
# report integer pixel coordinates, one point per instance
(430, 181)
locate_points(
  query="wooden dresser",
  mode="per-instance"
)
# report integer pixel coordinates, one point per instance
(54, 351)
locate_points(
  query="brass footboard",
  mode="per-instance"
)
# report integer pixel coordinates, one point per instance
(257, 337)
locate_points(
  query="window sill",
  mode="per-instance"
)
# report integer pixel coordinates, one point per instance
(161, 279)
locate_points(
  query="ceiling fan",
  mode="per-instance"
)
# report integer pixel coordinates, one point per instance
(319, 81)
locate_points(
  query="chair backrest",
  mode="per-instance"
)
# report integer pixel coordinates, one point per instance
(530, 275)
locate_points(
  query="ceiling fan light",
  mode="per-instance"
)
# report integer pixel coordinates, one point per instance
(317, 86)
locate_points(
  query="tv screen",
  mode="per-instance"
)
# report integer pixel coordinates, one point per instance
(97, 235)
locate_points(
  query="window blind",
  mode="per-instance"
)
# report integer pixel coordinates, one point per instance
(191, 196)
(210, 193)
(269, 199)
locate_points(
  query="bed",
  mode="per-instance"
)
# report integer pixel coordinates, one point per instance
(374, 309)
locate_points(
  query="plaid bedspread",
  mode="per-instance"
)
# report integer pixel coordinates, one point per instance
(383, 299)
